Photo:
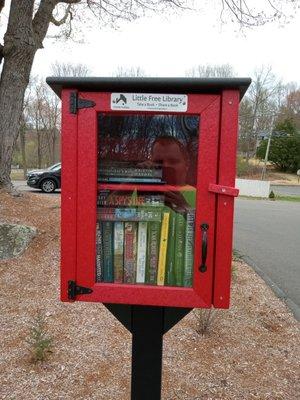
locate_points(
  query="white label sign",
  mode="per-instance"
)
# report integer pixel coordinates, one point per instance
(149, 102)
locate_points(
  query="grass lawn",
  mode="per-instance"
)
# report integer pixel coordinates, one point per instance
(288, 198)
(277, 198)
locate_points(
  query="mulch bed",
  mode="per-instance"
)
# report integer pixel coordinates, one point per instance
(251, 351)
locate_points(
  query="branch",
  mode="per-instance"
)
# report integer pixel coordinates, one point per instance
(1, 52)
(63, 19)
(2, 4)
(69, 1)
(247, 15)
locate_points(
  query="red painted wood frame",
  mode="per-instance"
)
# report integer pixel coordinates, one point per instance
(216, 165)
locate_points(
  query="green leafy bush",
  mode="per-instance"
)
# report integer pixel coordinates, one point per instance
(284, 148)
(284, 152)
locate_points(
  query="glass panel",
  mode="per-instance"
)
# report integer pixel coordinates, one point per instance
(147, 169)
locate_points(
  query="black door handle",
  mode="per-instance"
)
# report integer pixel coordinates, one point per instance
(204, 229)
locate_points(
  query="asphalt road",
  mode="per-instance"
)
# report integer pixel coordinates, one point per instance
(285, 190)
(267, 234)
(22, 186)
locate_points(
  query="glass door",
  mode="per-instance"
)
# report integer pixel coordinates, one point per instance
(146, 199)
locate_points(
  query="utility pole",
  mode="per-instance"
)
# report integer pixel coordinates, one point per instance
(264, 170)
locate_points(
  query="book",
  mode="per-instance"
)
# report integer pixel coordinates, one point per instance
(180, 224)
(110, 198)
(189, 248)
(99, 253)
(129, 214)
(163, 249)
(141, 252)
(118, 251)
(126, 179)
(170, 271)
(107, 235)
(152, 252)
(125, 171)
(130, 243)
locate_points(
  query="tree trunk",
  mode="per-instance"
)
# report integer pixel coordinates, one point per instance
(23, 37)
(14, 80)
(53, 147)
(23, 149)
(19, 51)
(39, 148)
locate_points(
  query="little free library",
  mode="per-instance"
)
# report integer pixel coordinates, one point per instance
(148, 174)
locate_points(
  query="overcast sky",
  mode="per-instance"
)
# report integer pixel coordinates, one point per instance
(170, 47)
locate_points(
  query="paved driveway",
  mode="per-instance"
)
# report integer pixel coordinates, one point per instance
(267, 233)
(23, 187)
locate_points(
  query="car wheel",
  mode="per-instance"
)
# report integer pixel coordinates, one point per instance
(48, 186)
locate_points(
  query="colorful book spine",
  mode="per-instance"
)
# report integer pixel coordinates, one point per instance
(152, 252)
(189, 248)
(110, 199)
(130, 242)
(179, 248)
(129, 214)
(141, 252)
(130, 171)
(107, 235)
(118, 251)
(163, 249)
(99, 253)
(170, 267)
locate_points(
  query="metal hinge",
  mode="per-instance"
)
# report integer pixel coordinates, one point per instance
(76, 103)
(74, 290)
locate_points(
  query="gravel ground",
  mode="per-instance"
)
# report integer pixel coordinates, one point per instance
(251, 351)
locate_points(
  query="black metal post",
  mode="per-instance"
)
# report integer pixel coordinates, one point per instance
(147, 340)
(147, 325)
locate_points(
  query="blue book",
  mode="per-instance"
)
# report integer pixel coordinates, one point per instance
(114, 179)
(107, 237)
(99, 252)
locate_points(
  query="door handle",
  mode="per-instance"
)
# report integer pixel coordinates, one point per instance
(204, 229)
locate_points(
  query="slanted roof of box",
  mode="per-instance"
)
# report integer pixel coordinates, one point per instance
(149, 85)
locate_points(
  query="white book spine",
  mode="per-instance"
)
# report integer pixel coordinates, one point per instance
(141, 252)
(119, 237)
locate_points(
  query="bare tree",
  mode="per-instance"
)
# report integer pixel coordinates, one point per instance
(69, 69)
(290, 107)
(211, 71)
(258, 108)
(29, 22)
(42, 115)
(51, 122)
(122, 71)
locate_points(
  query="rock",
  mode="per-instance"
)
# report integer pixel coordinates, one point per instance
(14, 239)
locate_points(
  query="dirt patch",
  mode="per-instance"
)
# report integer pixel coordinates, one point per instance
(251, 351)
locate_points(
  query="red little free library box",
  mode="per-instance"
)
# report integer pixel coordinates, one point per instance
(148, 174)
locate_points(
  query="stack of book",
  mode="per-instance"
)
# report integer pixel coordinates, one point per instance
(144, 244)
(125, 171)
